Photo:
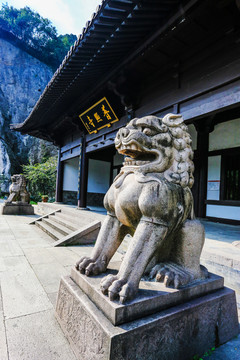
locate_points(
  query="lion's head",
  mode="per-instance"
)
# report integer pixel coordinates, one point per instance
(152, 144)
(19, 179)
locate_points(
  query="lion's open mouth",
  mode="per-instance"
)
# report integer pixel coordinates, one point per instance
(136, 155)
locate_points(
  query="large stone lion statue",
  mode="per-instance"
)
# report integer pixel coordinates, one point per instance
(151, 200)
(17, 190)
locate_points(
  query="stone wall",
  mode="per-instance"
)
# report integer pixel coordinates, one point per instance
(70, 197)
(95, 199)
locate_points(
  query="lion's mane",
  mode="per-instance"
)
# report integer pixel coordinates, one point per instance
(181, 169)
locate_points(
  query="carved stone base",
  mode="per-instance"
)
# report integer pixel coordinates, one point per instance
(17, 209)
(178, 333)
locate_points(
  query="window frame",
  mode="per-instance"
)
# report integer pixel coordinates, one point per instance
(224, 153)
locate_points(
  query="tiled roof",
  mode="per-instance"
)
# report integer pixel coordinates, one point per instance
(115, 31)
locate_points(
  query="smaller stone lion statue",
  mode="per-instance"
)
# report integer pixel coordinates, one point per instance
(151, 200)
(17, 190)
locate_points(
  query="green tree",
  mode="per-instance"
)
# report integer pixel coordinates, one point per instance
(37, 33)
(41, 178)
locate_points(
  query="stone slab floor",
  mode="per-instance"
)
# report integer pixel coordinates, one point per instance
(30, 271)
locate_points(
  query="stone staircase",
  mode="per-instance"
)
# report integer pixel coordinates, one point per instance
(69, 226)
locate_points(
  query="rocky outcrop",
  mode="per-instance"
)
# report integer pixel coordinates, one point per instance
(22, 80)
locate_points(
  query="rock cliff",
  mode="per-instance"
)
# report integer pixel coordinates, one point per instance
(22, 80)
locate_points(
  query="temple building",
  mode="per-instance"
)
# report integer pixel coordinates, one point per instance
(141, 57)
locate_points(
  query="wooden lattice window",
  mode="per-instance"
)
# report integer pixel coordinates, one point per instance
(231, 173)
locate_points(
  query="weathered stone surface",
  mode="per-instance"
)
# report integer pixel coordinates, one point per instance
(177, 333)
(3, 344)
(22, 292)
(152, 296)
(49, 275)
(37, 337)
(83, 323)
(16, 209)
(151, 200)
(17, 190)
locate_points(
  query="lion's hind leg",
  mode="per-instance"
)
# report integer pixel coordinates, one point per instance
(172, 275)
(183, 266)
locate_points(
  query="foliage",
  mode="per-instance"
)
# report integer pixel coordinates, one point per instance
(41, 178)
(206, 354)
(37, 33)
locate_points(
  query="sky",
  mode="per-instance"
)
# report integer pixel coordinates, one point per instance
(68, 16)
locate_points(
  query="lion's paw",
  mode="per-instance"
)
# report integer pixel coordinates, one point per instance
(89, 266)
(171, 275)
(115, 287)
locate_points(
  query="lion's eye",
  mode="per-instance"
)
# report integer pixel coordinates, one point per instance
(148, 131)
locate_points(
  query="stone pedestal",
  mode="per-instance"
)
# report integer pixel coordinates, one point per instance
(17, 208)
(161, 323)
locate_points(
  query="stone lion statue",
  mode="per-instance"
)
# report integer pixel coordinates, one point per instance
(151, 200)
(17, 190)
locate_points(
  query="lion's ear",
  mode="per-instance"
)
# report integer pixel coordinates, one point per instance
(172, 120)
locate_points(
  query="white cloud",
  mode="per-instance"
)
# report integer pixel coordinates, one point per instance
(68, 16)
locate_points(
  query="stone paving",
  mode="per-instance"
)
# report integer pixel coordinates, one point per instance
(30, 271)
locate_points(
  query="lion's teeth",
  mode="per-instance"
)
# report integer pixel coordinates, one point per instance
(139, 163)
(133, 146)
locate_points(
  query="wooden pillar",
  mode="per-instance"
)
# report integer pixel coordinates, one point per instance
(82, 176)
(59, 180)
(203, 127)
(202, 141)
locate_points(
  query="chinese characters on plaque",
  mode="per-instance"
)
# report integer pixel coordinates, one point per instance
(98, 116)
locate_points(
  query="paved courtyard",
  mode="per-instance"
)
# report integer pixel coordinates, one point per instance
(30, 270)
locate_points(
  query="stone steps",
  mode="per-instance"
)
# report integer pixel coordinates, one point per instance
(72, 219)
(62, 229)
(69, 226)
(54, 234)
(63, 221)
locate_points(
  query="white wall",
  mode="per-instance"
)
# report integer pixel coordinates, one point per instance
(225, 135)
(70, 174)
(98, 176)
(223, 212)
(214, 171)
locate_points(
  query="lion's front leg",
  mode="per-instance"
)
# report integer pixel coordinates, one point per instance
(11, 197)
(109, 238)
(147, 238)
